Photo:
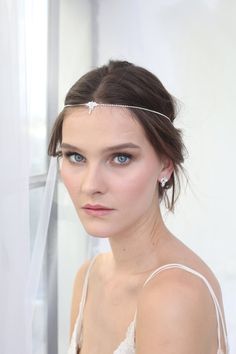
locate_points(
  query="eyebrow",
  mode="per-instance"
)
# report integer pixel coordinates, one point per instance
(107, 149)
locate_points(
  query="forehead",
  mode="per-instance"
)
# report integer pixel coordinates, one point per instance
(103, 126)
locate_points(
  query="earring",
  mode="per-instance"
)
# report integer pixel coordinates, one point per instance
(163, 181)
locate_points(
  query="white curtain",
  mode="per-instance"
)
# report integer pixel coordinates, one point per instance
(23, 309)
(14, 182)
(21, 262)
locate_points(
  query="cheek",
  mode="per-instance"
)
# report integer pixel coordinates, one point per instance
(138, 187)
(69, 179)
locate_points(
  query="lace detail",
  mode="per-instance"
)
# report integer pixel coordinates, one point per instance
(128, 345)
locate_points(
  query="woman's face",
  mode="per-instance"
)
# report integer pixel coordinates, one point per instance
(109, 163)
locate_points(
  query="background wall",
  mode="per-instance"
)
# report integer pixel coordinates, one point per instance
(190, 46)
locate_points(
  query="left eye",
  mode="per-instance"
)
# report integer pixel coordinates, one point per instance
(122, 159)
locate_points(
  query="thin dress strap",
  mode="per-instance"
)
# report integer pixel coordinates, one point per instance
(217, 306)
(76, 336)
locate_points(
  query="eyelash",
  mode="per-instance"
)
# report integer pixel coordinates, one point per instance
(128, 156)
(69, 154)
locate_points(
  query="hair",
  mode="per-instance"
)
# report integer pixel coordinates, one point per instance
(121, 82)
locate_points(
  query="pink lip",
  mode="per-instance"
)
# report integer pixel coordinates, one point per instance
(96, 210)
(95, 207)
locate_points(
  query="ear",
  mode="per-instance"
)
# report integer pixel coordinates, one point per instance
(166, 169)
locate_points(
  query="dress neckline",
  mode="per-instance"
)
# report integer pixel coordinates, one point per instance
(78, 335)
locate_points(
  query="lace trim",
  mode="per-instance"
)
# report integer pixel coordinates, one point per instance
(128, 344)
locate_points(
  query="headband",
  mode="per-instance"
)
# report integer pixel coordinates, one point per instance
(91, 105)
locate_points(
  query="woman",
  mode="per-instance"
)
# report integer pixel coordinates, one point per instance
(122, 156)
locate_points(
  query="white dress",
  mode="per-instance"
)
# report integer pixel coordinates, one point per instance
(127, 346)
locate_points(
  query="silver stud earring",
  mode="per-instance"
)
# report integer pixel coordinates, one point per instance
(163, 181)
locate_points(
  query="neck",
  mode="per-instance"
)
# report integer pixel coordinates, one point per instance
(138, 250)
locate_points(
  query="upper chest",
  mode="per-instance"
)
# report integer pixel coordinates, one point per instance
(109, 309)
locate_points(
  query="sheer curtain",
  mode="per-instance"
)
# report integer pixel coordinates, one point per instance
(14, 200)
(21, 253)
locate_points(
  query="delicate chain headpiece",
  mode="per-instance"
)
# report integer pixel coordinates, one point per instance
(91, 105)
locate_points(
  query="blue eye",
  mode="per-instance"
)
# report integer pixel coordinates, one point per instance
(122, 159)
(74, 157)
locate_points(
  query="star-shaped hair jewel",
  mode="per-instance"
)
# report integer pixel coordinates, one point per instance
(91, 105)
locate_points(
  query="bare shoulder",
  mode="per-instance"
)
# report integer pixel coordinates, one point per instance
(179, 253)
(175, 314)
(77, 293)
(79, 282)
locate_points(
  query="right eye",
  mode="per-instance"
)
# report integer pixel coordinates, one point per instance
(74, 157)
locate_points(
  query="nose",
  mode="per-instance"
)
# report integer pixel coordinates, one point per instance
(93, 180)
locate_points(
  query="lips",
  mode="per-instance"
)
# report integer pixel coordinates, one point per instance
(97, 210)
(95, 207)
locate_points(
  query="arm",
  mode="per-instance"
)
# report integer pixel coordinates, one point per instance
(176, 315)
(77, 293)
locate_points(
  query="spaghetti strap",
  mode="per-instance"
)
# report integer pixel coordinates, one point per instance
(76, 336)
(127, 346)
(85, 285)
(216, 303)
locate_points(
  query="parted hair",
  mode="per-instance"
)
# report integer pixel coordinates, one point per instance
(121, 82)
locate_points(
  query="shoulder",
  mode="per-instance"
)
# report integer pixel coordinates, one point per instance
(79, 283)
(175, 313)
(98, 262)
(77, 292)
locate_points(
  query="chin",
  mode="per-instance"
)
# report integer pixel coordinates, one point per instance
(97, 236)
(97, 231)
(97, 227)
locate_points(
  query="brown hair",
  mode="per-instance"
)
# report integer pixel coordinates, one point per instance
(120, 82)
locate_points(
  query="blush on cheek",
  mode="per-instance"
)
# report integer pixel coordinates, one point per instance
(67, 177)
(63, 174)
(141, 188)
(140, 180)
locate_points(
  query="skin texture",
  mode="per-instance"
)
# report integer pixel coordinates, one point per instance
(101, 179)
(175, 310)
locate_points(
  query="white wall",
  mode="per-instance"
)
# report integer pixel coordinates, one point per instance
(190, 46)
